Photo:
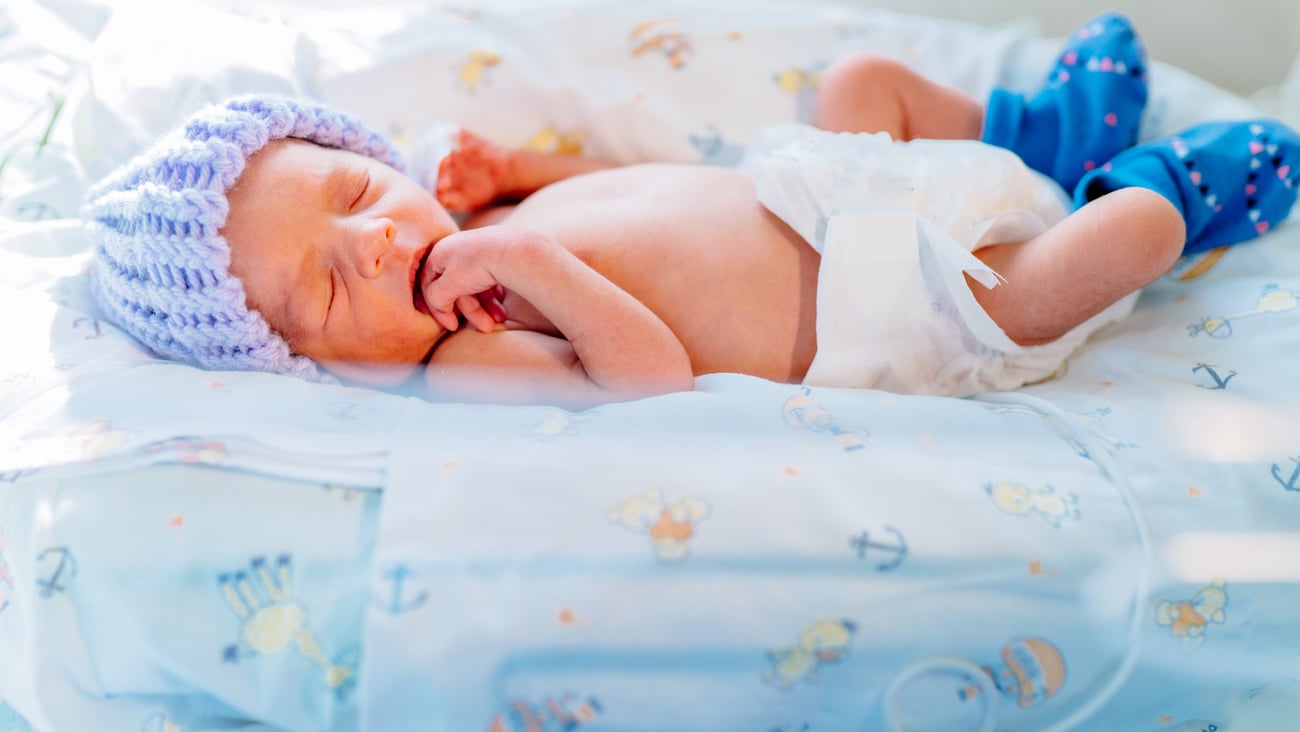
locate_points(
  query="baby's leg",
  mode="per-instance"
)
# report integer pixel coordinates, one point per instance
(1114, 245)
(1233, 181)
(864, 92)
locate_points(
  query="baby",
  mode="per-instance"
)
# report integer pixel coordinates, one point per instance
(276, 235)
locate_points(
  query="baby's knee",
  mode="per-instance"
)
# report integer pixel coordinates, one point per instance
(1157, 225)
(859, 69)
(862, 92)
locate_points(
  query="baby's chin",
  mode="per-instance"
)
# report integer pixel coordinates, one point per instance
(404, 365)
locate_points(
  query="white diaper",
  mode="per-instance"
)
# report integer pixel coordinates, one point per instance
(896, 223)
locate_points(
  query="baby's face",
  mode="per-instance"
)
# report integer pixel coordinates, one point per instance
(327, 243)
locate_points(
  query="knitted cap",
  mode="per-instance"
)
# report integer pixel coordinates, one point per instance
(162, 269)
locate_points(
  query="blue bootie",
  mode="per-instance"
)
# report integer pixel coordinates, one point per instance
(1087, 112)
(1232, 181)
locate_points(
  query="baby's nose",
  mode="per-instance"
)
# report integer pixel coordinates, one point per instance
(375, 242)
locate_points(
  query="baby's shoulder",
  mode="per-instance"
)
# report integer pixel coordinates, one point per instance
(647, 188)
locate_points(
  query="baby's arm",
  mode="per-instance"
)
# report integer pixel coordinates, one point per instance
(613, 347)
(477, 172)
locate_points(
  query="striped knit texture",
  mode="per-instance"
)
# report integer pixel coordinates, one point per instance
(162, 268)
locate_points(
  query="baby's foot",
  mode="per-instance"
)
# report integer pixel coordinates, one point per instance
(1088, 110)
(1231, 180)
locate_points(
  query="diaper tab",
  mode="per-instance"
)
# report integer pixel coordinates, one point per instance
(976, 320)
(869, 290)
(948, 250)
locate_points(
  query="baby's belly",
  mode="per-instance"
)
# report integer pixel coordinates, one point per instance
(740, 296)
(747, 305)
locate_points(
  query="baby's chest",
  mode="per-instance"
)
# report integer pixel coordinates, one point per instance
(631, 220)
(664, 228)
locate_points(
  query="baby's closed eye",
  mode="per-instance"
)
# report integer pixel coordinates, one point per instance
(362, 188)
(332, 290)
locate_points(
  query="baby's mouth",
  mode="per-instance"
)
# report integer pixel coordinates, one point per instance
(417, 290)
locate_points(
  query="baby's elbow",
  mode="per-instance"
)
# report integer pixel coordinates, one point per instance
(683, 382)
(669, 384)
(676, 376)
(646, 385)
(648, 390)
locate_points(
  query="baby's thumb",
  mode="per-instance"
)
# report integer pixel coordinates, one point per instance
(440, 307)
(447, 319)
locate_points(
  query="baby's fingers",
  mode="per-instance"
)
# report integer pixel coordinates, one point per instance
(450, 195)
(447, 319)
(452, 201)
(474, 313)
(491, 302)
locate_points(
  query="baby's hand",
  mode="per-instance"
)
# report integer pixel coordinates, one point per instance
(460, 276)
(473, 174)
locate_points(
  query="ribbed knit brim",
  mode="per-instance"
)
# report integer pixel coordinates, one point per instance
(162, 268)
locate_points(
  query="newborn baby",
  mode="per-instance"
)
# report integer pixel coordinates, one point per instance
(902, 254)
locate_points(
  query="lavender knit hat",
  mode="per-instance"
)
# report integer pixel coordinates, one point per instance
(162, 269)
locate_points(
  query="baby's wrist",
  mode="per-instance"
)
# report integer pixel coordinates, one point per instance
(511, 177)
(531, 250)
(518, 254)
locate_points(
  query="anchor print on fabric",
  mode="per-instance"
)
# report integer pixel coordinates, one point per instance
(394, 597)
(888, 552)
(55, 568)
(1220, 380)
(1289, 481)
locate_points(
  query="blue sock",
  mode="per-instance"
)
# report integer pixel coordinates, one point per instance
(1087, 112)
(1232, 181)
